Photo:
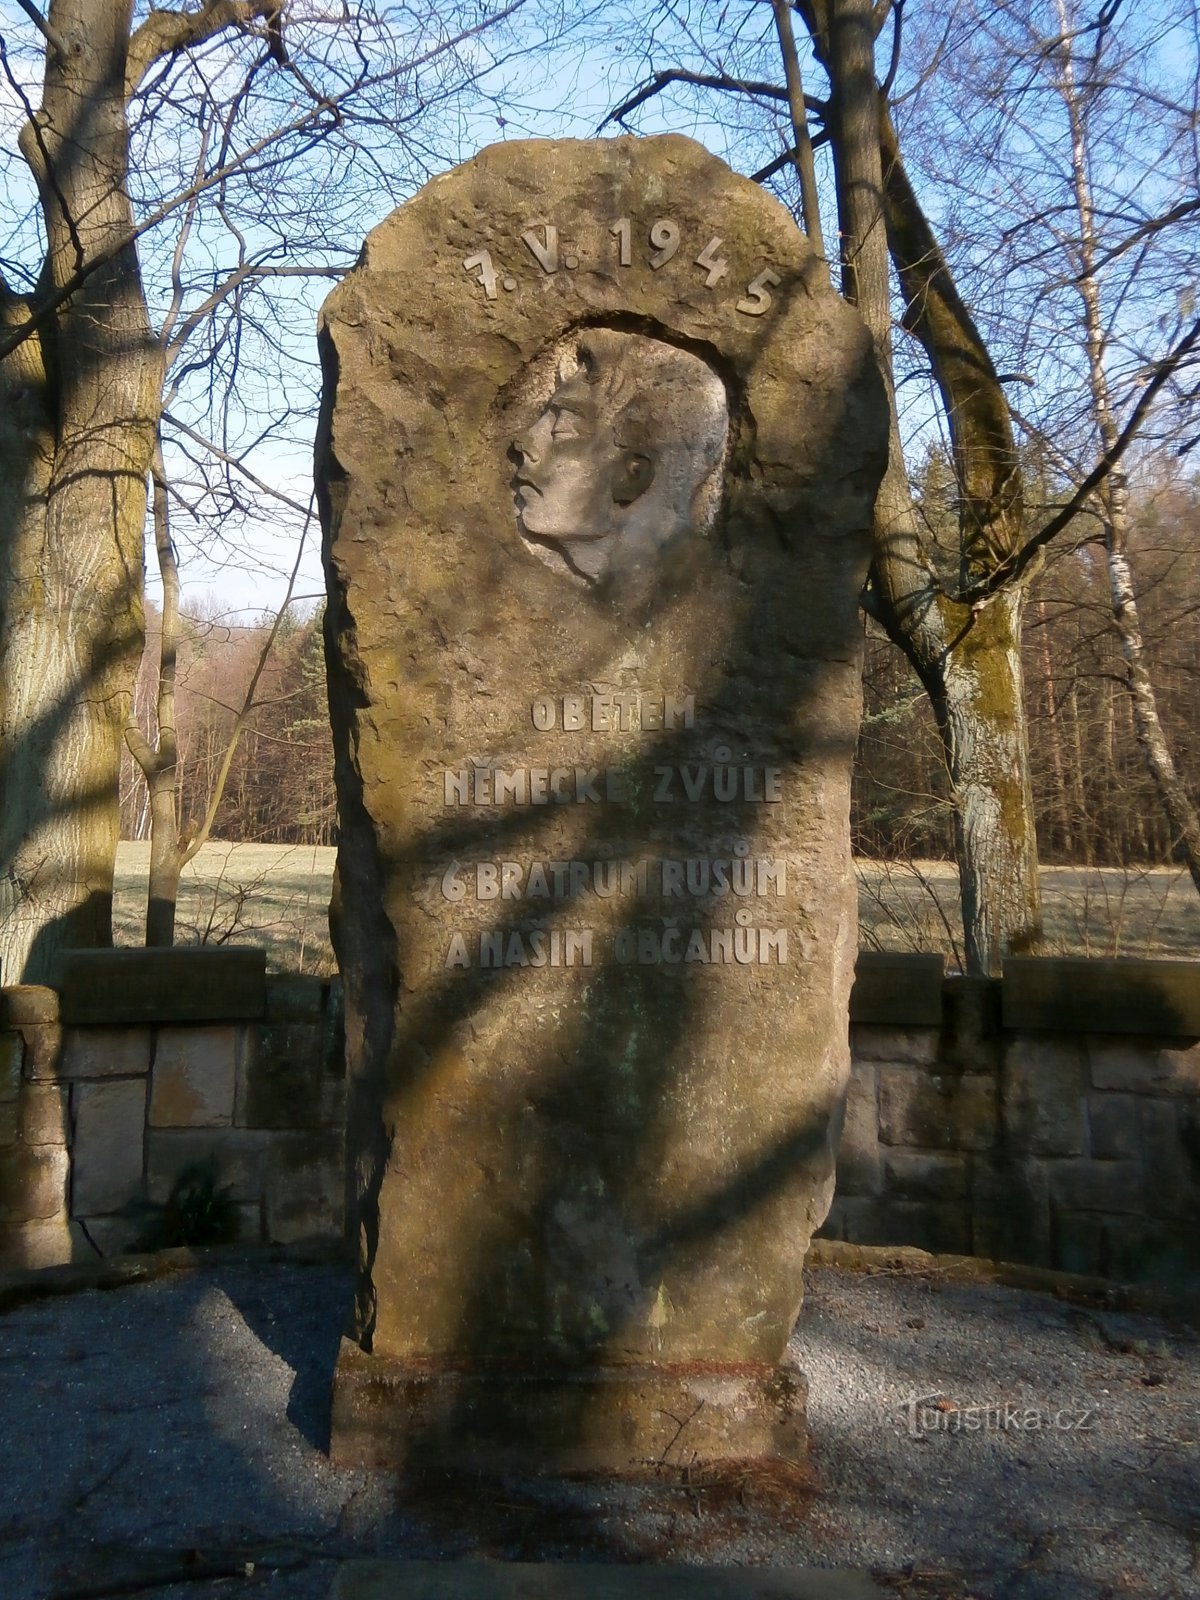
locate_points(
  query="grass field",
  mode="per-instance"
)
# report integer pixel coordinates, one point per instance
(277, 896)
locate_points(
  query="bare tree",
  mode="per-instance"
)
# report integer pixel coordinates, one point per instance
(958, 623)
(242, 121)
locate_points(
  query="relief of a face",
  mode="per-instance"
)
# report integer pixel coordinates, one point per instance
(566, 464)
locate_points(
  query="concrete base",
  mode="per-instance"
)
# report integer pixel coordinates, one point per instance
(607, 1419)
(494, 1580)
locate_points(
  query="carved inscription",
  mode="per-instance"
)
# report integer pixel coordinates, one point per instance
(663, 241)
(739, 875)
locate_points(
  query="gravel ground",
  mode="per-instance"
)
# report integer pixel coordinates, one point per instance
(165, 1440)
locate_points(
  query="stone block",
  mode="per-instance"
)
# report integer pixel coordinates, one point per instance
(911, 1046)
(52, 1242)
(1144, 1066)
(293, 998)
(10, 1121)
(939, 1226)
(1114, 1126)
(33, 1182)
(1170, 1138)
(45, 1114)
(104, 1053)
(27, 1004)
(181, 984)
(250, 1223)
(897, 988)
(1081, 1243)
(1151, 1250)
(43, 1051)
(333, 1032)
(924, 1175)
(115, 1235)
(1010, 1210)
(1082, 1185)
(972, 1037)
(304, 1186)
(854, 1218)
(937, 1110)
(280, 1084)
(12, 1053)
(1076, 994)
(1043, 1095)
(110, 1126)
(238, 1155)
(333, 1103)
(605, 1420)
(195, 1073)
(858, 1166)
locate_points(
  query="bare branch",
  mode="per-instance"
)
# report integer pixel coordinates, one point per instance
(1008, 571)
(329, 106)
(51, 35)
(805, 170)
(706, 80)
(165, 33)
(238, 466)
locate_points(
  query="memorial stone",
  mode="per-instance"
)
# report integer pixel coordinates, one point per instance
(597, 459)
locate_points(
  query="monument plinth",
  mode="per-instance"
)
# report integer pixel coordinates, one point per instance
(598, 453)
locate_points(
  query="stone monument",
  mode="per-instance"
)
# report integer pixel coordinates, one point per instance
(598, 453)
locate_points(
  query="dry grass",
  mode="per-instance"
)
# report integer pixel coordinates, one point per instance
(278, 895)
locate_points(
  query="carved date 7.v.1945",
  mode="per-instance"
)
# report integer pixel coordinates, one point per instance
(664, 242)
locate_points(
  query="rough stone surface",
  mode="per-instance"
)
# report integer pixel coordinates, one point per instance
(103, 1053)
(858, 1160)
(44, 1114)
(195, 1072)
(43, 1048)
(911, 1046)
(622, 1419)
(577, 481)
(33, 1183)
(239, 1155)
(27, 1004)
(923, 1175)
(1044, 1095)
(281, 1085)
(1127, 1064)
(51, 1242)
(1010, 1209)
(110, 1122)
(515, 1580)
(1112, 1186)
(1114, 1127)
(12, 1050)
(943, 1110)
(304, 1186)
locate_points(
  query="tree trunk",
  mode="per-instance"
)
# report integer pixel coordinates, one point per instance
(71, 577)
(1181, 815)
(968, 659)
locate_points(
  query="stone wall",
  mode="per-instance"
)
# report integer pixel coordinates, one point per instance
(1050, 1117)
(147, 1065)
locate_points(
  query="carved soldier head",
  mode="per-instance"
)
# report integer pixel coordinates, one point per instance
(625, 457)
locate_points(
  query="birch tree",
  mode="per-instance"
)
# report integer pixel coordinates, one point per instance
(1089, 119)
(959, 626)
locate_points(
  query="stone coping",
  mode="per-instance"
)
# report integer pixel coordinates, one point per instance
(1079, 1288)
(1062, 994)
(554, 1580)
(180, 984)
